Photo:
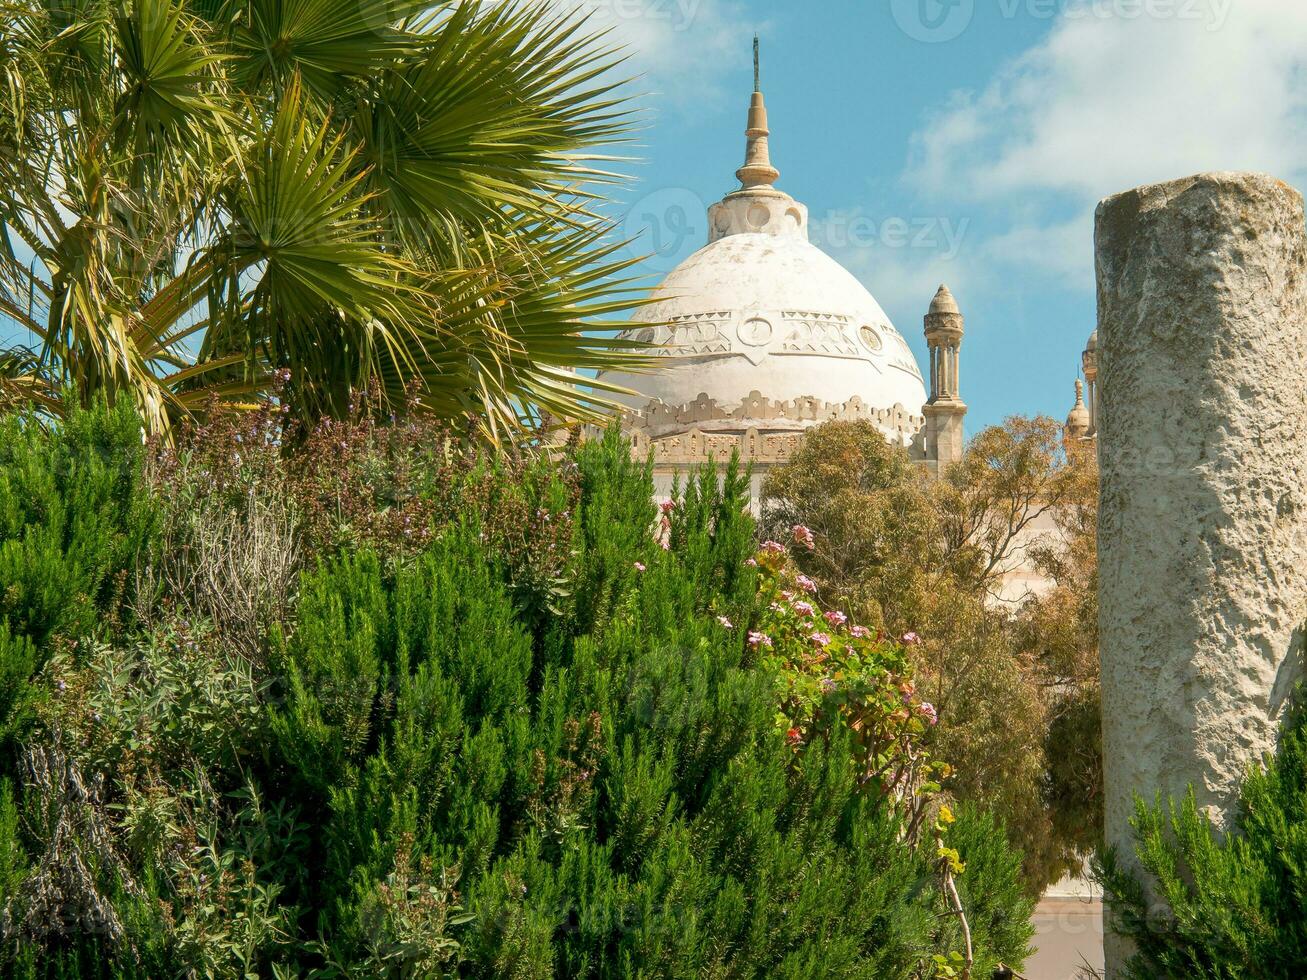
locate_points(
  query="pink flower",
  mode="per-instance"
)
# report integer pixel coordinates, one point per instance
(828, 685)
(803, 536)
(835, 617)
(773, 547)
(639, 566)
(751, 562)
(806, 584)
(726, 623)
(667, 506)
(911, 639)
(804, 608)
(757, 639)
(787, 595)
(861, 632)
(821, 639)
(929, 713)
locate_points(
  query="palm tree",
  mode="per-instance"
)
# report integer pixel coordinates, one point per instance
(197, 195)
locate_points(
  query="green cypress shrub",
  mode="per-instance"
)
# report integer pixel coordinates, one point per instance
(532, 738)
(602, 793)
(1221, 906)
(75, 513)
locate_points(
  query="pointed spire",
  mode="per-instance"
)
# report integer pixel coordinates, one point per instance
(757, 170)
(1077, 423)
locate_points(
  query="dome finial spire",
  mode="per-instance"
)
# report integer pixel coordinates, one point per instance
(757, 170)
(1078, 422)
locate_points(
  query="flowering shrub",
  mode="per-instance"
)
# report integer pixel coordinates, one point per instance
(830, 672)
(833, 675)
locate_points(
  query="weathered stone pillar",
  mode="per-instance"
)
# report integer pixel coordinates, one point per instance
(1202, 399)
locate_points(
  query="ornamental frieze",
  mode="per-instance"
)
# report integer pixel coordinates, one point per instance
(704, 430)
(759, 333)
(818, 333)
(692, 336)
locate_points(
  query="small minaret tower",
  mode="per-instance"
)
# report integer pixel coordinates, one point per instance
(1089, 361)
(945, 410)
(1077, 423)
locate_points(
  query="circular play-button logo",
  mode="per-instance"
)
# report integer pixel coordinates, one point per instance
(933, 21)
(666, 226)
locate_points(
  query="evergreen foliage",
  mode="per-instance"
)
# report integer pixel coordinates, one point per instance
(531, 739)
(74, 515)
(1221, 906)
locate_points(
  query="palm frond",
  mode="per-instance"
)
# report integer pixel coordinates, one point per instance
(498, 110)
(321, 43)
(197, 193)
(516, 326)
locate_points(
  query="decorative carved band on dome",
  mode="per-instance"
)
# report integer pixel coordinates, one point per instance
(697, 447)
(818, 333)
(693, 335)
(751, 333)
(764, 430)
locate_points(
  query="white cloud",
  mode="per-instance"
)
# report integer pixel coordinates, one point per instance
(680, 48)
(1062, 251)
(902, 261)
(1106, 102)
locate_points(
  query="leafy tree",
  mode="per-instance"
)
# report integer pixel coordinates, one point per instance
(930, 558)
(1220, 905)
(1057, 631)
(196, 195)
(878, 548)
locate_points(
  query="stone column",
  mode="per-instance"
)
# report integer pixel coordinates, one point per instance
(1202, 542)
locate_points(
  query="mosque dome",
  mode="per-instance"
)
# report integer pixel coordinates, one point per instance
(762, 329)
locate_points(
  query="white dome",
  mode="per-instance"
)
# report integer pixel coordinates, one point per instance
(774, 314)
(761, 329)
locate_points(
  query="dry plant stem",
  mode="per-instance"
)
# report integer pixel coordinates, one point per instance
(951, 890)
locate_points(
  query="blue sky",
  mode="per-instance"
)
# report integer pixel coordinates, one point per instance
(961, 141)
